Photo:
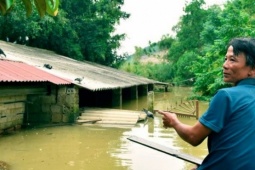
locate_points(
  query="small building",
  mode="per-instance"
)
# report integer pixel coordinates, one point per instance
(28, 94)
(90, 84)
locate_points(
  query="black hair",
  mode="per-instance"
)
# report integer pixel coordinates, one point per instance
(246, 46)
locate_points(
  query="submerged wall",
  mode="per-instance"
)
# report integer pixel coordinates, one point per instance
(42, 103)
(12, 109)
(60, 106)
(37, 104)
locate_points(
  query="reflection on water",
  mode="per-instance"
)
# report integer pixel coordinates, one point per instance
(93, 147)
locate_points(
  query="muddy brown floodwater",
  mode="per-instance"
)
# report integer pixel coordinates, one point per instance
(91, 147)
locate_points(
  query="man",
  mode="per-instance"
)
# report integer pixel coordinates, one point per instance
(229, 122)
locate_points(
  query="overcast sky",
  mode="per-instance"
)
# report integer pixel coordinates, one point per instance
(149, 20)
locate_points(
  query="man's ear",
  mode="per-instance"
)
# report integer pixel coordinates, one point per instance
(252, 72)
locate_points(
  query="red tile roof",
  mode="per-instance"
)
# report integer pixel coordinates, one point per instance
(15, 71)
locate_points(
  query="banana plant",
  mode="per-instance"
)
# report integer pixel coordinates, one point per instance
(43, 6)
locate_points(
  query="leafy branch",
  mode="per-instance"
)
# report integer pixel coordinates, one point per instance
(43, 6)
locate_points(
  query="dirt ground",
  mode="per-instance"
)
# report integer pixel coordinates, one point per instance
(154, 58)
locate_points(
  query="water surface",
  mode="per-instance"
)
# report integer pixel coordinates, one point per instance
(91, 147)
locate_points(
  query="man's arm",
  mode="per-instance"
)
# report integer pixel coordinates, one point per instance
(194, 135)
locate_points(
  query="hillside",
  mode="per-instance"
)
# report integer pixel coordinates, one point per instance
(156, 57)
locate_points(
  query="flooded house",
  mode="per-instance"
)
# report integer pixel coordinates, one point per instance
(85, 84)
(28, 94)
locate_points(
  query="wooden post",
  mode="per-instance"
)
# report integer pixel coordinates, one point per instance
(150, 101)
(166, 88)
(117, 98)
(197, 109)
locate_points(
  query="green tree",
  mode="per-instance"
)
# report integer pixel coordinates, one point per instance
(94, 23)
(208, 76)
(187, 39)
(236, 20)
(183, 75)
(82, 30)
(166, 42)
(211, 26)
(139, 52)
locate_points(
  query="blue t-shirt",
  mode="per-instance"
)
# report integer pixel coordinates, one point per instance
(231, 117)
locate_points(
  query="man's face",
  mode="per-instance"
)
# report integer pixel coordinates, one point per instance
(234, 68)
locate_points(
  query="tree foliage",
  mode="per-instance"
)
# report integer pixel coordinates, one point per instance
(187, 45)
(197, 51)
(155, 71)
(82, 30)
(235, 20)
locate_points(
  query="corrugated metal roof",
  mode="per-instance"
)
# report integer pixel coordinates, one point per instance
(14, 71)
(95, 77)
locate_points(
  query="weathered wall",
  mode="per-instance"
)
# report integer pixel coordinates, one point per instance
(37, 104)
(12, 109)
(67, 104)
(60, 106)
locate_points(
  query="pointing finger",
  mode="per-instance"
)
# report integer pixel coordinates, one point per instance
(161, 112)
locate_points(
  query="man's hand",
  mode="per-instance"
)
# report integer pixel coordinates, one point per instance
(194, 135)
(169, 119)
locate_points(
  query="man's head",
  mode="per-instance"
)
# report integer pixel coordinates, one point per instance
(239, 60)
(245, 46)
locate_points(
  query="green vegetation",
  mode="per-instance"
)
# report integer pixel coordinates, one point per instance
(196, 54)
(83, 29)
(158, 71)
